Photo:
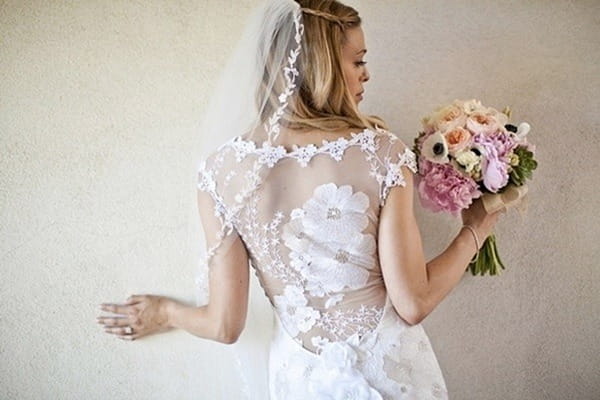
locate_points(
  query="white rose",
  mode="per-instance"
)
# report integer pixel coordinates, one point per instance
(468, 159)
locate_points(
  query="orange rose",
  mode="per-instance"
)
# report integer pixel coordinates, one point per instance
(457, 139)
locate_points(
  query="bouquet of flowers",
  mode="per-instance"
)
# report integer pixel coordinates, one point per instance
(467, 151)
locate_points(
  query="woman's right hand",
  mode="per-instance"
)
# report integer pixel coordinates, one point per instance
(480, 220)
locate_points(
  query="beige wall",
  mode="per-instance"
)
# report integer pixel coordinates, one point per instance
(99, 108)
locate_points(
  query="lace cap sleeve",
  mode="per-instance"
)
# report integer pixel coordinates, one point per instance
(207, 182)
(395, 155)
(218, 225)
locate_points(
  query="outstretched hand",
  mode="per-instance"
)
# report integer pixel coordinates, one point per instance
(139, 316)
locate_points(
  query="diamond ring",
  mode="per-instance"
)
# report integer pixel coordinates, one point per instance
(128, 330)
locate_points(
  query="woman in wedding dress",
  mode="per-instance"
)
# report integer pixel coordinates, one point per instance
(317, 199)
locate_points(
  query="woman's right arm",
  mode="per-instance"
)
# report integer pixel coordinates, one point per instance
(459, 253)
(414, 286)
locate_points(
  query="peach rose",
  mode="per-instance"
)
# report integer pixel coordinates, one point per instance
(457, 139)
(486, 123)
(445, 118)
(500, 117)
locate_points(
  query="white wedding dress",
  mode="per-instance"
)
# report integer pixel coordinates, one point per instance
(309, 218)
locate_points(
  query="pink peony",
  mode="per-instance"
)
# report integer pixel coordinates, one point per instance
(503, 142)
(495, 174)
(442, 188)
(494, 165)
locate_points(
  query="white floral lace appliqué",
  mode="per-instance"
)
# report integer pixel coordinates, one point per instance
(336, 376)
(293, 310)
(326, 241)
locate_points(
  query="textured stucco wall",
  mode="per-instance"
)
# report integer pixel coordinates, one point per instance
(99, 108)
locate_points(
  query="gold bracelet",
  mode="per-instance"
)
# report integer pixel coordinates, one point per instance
(476, 241)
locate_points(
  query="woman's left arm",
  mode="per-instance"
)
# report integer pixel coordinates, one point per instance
(221, 320)
(224, 317)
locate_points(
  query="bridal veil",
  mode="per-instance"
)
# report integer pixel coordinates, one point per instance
(256, 92)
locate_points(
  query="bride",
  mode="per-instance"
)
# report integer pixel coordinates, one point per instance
(316, 198)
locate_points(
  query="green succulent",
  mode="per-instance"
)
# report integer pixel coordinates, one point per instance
(524, 168)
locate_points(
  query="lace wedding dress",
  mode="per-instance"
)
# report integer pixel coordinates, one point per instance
(308, 217)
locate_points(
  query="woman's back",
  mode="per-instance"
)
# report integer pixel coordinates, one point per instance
(309, 216)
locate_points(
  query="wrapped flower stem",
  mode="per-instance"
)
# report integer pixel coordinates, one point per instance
(488, 261)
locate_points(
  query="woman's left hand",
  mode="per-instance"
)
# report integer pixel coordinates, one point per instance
(141, 315)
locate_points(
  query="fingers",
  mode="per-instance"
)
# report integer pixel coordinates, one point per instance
(123, 308)
(114, 308)
(134, 299)
(126, 325)
(123, 333)
(111, 322)
(129, 337)
(119, 330)
(135, 317)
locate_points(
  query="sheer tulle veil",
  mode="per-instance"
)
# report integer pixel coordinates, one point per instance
(255, 93)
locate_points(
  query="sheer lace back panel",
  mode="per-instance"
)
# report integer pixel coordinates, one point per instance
(308, 217)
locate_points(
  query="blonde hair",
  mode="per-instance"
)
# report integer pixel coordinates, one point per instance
(324, 100)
